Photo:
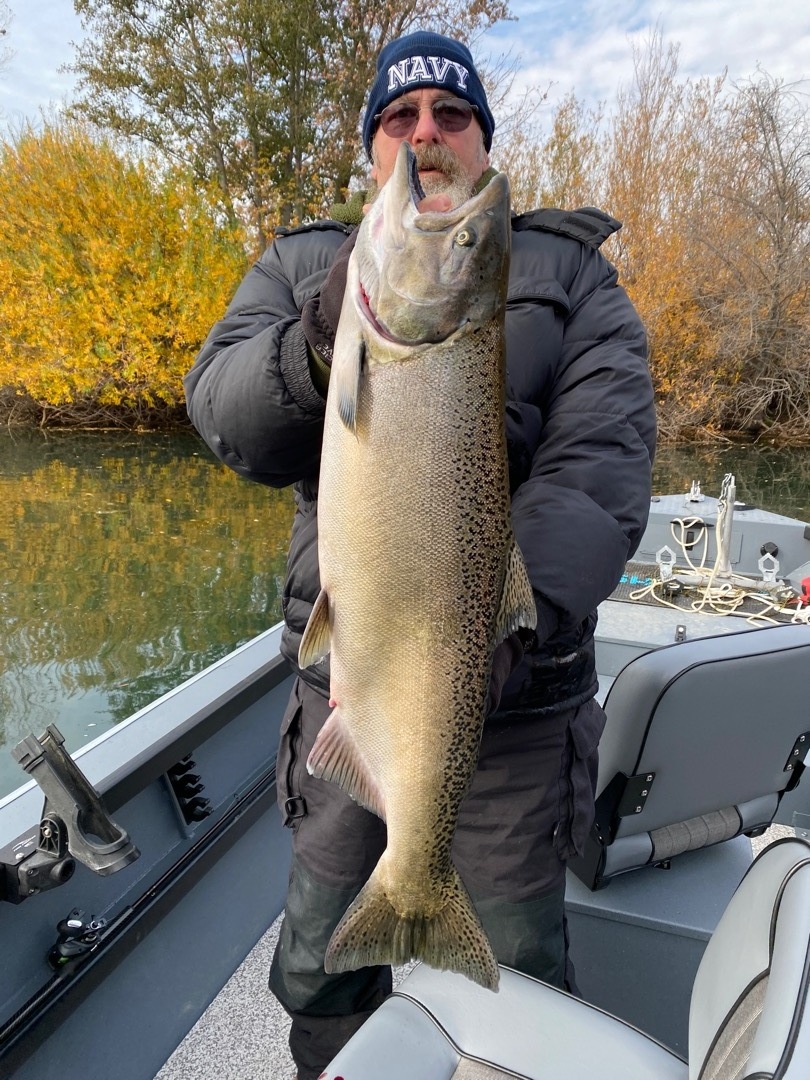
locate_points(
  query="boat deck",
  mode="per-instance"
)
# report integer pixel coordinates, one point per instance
(243, 1033)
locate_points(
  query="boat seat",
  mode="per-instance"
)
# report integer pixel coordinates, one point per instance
(748, 1016)
(702, 740)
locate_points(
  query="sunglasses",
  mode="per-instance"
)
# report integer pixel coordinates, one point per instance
(399, 119)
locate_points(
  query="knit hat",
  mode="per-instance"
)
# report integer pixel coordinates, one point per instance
(425, 59)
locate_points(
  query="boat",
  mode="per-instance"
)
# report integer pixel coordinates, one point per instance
(130, 896)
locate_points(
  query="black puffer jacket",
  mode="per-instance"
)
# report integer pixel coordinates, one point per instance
(580, 427)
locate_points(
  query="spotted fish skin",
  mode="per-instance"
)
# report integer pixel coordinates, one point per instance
(421, 575)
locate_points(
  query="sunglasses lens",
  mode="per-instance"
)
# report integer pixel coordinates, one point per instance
(399, 120)
(452, 116)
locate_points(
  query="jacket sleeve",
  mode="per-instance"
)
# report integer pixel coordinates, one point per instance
(580, 513)
(250, 393)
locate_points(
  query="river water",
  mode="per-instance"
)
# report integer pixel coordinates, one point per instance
(130, 562)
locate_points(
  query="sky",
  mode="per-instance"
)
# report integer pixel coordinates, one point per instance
(585, 46)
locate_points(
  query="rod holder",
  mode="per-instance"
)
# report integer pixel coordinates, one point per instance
(92, 836)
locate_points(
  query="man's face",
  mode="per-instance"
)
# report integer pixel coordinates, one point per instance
(446, 160)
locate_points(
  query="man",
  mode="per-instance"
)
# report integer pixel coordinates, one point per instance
(580, 433)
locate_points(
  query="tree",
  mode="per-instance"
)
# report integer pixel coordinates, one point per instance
(658, 151)
(716, 253)
(112, 270)
(264, 98)
(560, 169)
(758, 288)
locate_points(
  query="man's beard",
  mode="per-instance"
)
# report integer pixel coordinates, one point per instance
(451, 179)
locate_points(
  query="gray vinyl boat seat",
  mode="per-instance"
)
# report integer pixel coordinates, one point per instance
(702, 740)
(749, 1014)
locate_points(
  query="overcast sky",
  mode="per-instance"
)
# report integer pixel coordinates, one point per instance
(580, 45)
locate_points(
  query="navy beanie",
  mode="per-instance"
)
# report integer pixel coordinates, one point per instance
(424, 59)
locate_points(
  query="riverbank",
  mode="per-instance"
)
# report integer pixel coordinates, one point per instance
(22, 415)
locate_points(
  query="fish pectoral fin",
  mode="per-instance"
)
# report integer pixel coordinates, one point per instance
(317, 640)
(372, 932)
(337, 758)
(517, 607)
(347, 367)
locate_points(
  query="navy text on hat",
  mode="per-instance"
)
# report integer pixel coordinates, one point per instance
(425, 59)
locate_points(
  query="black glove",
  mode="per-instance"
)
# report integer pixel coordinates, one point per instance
(319, 316)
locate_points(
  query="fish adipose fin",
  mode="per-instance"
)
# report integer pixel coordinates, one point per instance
(371, 932)
(316, 640)
(335, 757)
(517, 606)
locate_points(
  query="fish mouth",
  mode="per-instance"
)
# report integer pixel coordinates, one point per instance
(381, 330)
(416, 189)
(374, 322)
(406, 249)
(417, 193)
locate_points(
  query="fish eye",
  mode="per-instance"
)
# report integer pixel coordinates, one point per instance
(465, 238)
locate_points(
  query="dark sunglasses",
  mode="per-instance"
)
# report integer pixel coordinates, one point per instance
(400, 118)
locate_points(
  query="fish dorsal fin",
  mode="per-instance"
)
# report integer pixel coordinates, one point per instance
(316, 641)
(336, 757)
(517, 606)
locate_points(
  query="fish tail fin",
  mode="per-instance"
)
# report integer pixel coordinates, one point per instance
(372, 932)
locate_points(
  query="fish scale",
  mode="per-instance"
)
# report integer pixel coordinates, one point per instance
(421, 576)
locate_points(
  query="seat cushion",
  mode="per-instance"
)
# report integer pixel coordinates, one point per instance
(479, 1070)
(732, 1050)
(750, 995)
(692, 714)
(441, 1026)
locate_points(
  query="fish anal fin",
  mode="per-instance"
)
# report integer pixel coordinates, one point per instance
(316, 640)
(335, 757)
(372, 932)
(517, 607)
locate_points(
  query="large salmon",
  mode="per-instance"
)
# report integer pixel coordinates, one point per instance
(421, 575)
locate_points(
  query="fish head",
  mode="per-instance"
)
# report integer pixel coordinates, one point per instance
(423, 277)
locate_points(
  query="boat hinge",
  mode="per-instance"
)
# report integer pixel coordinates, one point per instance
(636, 792)
(795, 762)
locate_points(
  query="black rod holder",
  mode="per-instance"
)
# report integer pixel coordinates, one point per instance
(92, 836)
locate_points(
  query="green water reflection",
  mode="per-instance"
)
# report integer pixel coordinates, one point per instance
(770, 477)
(129, 563)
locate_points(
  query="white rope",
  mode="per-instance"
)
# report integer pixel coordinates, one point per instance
(723, 599)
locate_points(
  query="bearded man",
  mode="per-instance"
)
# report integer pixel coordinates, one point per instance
(580, 431)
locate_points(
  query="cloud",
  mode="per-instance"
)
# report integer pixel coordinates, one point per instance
(40, 36)
(585, 47)
(588, 48)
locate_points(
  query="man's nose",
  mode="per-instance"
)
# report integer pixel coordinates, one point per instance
(426, 130)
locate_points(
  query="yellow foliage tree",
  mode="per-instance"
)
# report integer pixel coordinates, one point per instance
(112, 271)
(658, 156)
